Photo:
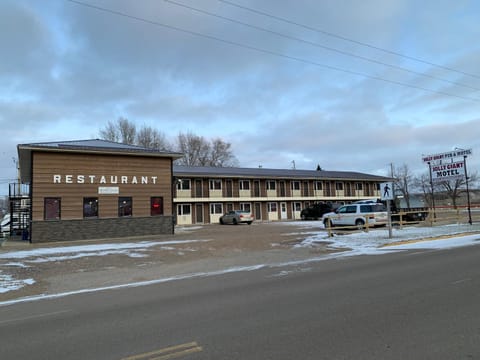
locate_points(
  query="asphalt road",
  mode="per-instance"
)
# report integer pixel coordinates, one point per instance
(410, 305)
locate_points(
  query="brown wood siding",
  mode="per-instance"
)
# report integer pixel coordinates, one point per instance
(48, 164)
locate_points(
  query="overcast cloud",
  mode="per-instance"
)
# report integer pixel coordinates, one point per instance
(67, 69)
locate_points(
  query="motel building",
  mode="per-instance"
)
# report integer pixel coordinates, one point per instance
(97, 189)
(203, 194)
(92, 189)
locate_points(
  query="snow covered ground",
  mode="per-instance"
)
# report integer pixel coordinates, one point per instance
(355, 243)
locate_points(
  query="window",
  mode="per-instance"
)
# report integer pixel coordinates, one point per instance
(183, 184)
(124, 206)
(318, 185)
(272, 207)
(245, 207)
(156, 205)
(216, 208)
(215, 184)
(339, 185)
(244, 185)
(271, 185)
(183, 209)
(359, 186)
(90, 207)
(297, 206)
(295, 185)
(52, 208)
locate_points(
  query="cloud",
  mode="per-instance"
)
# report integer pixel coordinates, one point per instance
(70, 69)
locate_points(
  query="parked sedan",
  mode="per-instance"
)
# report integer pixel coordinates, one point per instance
(236, 217)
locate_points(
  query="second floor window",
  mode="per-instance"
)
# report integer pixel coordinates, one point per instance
(295, 185)
(271, 185)
(215, 184)
(244, 185)
(183, 184)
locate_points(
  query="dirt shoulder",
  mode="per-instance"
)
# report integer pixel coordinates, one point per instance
(200, 249)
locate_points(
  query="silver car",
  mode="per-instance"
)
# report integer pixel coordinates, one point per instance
(236, 217)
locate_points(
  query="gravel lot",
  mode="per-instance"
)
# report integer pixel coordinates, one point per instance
(218, 247)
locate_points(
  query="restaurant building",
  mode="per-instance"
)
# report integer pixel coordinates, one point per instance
(94, 189)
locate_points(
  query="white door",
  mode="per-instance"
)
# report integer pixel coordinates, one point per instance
(283, 211)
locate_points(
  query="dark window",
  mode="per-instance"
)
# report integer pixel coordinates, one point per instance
(124, 206)
(52, 208)
(90, 207)
(156, 206)
(183, 184)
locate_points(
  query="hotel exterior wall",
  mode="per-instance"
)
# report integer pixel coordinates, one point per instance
(48, 164)
(306, 196)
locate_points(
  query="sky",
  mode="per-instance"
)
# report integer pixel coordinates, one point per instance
(347, 85)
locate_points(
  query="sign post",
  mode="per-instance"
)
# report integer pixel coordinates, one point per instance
(387, 195)
(441, 170)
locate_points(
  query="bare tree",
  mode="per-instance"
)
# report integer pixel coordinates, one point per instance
(201, 152)
(221, 154)
(403, 180)
(122, 130)
(127, 130)
(195, 149)
(422, 184)
(151, 138)
(456, 187)
(110, 132)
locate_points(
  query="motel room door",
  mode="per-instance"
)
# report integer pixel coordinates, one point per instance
(283, 211)
(199, 214)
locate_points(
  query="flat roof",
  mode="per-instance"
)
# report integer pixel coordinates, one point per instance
(91, 146)
(264, 173)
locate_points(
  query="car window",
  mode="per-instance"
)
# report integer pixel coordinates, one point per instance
(351, 209)
(366, 208)
(342, 210)
(379, 207)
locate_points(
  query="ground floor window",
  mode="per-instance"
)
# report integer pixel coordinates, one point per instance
(124, 206)
(297, 206)
(52, 208)
(184, 209)
(156, 205)
(272, 207)
(246, 207)
(90, 207)
(216, 208)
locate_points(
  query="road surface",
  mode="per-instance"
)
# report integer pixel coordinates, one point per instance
(410, 305)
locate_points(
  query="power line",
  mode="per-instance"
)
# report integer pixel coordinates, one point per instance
(327, 33)
(270, 52)
(319, 45)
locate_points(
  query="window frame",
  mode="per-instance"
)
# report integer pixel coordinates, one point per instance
(152, 206)
(125, 199)
(94, 211)
(58, 211)
(212, 184)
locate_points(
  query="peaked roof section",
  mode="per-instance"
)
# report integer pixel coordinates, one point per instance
(92, 146)
(213, 172)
